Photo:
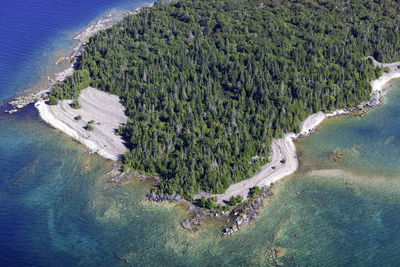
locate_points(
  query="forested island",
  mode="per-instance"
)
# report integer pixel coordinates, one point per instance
(208, 84)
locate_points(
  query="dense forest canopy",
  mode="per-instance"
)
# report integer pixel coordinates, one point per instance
(208, 84)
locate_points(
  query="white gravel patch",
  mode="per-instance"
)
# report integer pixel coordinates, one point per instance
(107, 113)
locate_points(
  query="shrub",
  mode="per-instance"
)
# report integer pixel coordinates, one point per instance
(226, 208)
(211, 203)
(203, 202)
(79, 117)
(75, 104)
(89, 127)
(188, 195)
(232, 201)
(53, 101)
(254, 191)
(239, 199)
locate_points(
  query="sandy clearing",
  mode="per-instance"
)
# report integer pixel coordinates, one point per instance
(309, 123)
(378, 85)
(99, 106)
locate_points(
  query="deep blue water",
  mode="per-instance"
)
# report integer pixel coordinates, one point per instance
(32, 30)
(57, 210)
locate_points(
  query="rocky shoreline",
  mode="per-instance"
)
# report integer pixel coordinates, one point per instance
(153, 196)
(240, 216)
(19, 102)
(248, 212)
(117, 176)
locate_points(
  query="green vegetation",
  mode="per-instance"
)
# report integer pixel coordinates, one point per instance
(75, 104)
(72, 85)
(208, 84)
(91, 122)
(119, 130)
(210, 203)
(226, 208)
(232, 201)
(203, 202)
(53, 100)
(78, 118)
(254, 191)
(89, 127)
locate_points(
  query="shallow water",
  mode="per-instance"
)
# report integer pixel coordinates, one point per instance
(56, 209)
(369, 144)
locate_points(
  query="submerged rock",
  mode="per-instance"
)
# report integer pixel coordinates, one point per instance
(239, 217)
(21, 101)
(230, 231)
(186, 225)
(335, 155)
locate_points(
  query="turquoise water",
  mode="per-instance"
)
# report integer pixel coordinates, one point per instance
(56, 208)
(370, 143)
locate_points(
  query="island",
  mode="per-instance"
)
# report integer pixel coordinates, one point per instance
(216, 91)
